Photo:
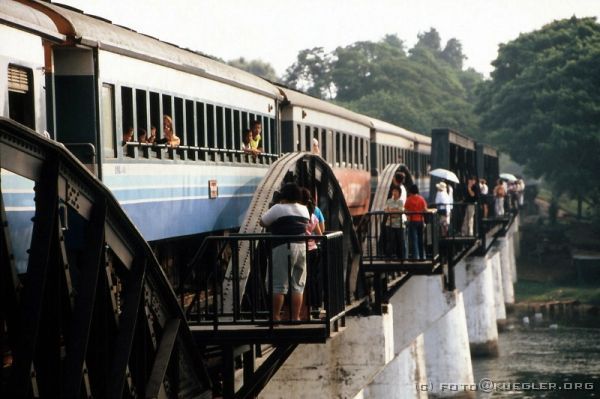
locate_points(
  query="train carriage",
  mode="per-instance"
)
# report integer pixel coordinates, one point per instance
(103, 80)
(342, 137)
(393, 144)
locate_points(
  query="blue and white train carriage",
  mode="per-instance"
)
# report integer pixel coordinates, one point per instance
(86, 81)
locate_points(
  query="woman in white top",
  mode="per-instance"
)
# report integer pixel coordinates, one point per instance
(443, 202)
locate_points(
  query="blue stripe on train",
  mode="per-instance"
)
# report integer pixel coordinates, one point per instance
(160, 220)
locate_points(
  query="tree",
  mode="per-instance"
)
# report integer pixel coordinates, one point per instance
(256, 67)
(453, 54)
(311, 73)
(543, 105)
(418, 91)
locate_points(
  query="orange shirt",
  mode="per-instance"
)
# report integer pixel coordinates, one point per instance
(415, 203)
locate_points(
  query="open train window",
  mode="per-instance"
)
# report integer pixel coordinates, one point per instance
(201, 120)
(220, 128)
(155, 114)
(126, 109)
(190, 124)
(323, 144)
(108, 121)
(167, 106)
(362, 153)
(141, 107)
(210, 125)
(237, 129)
(229, 129)
(178, 120)
(338, 150)
(272, 135)
(20, 95)
(307, 139)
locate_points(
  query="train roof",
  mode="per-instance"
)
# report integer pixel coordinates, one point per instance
(97, 32)
(385, 127)
(29, 19)
(296, 98)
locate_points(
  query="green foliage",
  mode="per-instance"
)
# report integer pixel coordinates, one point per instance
(420, 90)
(543, 105)
(256, 67)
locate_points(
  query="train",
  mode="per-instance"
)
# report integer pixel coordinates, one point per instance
(84, 81)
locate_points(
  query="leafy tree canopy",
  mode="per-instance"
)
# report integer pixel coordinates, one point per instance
(419, 89)
(542, 104)
(256, 67)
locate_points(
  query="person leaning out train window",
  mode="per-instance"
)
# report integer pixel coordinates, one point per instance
(152, 138)
(127, 136)
(142, 136)
(170, 138)
(255, 144)
(246, 143)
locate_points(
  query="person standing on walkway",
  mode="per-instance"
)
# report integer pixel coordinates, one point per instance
(415, 207)
(471, 199)
(288, 217)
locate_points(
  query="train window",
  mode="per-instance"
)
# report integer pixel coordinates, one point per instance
(141, 112)
(210, 125)
(108, 121)
(273, 135)
(178, 119)
(337, 143)
(344, 149)
(323, 144)
(126, 109)
(167, 105)
(190, 124)
(220, 131)
(155, 113)
(237, 129)
(307, 138)
(362, 153)
(350, 151)
(356, 152)
(20, 95)
(229, 129)
(298, 136)
(202, 128)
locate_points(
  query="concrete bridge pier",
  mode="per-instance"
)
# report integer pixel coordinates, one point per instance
(340, 368)
(475, 279)
(448, 357)
(498, 290)
(507, 273)
(403, 377)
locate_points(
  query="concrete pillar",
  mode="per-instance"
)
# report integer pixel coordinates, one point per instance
(498, 291)
(341, 367)
(447, 354)
(512, 257)
(507, 282)
(474, 278)
(403, 377)
(417, 305)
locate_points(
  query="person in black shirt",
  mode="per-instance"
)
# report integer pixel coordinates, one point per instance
(472, 195)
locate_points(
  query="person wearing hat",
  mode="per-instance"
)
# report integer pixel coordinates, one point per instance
(443, 202)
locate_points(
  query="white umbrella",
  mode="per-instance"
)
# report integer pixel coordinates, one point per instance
(444, 174)
(508, 176)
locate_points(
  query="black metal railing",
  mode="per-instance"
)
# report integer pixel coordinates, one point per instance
(400, 236)
(203, 297)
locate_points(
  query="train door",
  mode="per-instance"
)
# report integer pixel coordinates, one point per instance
(75, 104)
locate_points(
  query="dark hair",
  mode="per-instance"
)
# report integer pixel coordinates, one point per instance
(255, 122)
(245, 138)
(413, 189)
(399, 176)
(290, 192)
(396, 188)
(307, 200)
(141, 132)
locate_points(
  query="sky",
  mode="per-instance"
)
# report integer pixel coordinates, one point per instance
(275, 31)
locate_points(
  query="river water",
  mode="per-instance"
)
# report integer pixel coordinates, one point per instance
(539, 362)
